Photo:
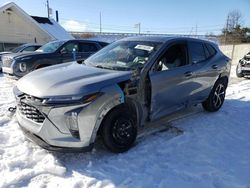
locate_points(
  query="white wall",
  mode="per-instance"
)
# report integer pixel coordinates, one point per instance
(15, 28)
(239, 51)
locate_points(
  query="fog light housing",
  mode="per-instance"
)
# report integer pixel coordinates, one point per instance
(72, 123)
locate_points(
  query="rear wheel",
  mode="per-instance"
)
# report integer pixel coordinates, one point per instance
(239, 71)
(119, 130)
(216, 97)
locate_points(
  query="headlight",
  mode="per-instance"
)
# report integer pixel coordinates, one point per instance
(72, 99)
(22, 67)
(242, 62)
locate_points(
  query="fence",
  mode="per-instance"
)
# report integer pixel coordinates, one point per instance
(235, 52)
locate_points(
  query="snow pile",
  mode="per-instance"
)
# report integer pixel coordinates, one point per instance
(56, 30)
(212, 151)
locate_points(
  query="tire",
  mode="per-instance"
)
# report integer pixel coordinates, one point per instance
(119, 130)
(216, 97)
(239, 71)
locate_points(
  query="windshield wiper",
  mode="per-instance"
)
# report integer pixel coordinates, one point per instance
(103, 67)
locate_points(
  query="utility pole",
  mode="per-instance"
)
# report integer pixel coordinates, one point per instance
(225, 35)
(100, 22)
(48, 9)
(138, 25)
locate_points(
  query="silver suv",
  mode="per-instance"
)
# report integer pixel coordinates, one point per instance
(118, 90)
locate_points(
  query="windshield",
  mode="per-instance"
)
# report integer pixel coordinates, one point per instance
(124, 55)
(17, 49)
(51, 46)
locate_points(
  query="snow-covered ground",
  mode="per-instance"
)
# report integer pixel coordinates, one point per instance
(203, 150)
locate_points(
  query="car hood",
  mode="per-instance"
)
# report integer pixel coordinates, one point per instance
(69, 79)
(23, 54)
(3, 53)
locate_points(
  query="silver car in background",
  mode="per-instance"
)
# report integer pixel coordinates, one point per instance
(23, 48)
(118, 90)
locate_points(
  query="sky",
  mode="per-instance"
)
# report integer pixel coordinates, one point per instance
(154, 16)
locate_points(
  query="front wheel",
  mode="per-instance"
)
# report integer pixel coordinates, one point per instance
(119, 130)
(239, 71)
(216, 97)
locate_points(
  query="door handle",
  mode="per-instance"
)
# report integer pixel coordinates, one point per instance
(215, 66)
(188, 73)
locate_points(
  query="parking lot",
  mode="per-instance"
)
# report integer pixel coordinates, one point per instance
(202, 149)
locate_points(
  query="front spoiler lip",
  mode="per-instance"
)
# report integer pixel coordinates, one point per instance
(46, 146)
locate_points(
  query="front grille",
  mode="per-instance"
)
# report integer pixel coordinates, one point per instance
(31, 112)
(247, 65)
(7, 61)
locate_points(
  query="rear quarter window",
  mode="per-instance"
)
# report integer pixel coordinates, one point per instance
(210, 49)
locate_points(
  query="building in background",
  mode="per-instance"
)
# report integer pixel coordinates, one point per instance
(17, 27)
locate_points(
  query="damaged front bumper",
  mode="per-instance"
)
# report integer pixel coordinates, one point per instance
(65, 127)
(57, 128)
(40, 142)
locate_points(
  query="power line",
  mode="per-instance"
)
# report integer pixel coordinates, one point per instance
(99, 26)
(158, 28)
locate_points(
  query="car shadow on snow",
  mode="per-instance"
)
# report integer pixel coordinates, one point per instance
(122, 169)
(103, 165)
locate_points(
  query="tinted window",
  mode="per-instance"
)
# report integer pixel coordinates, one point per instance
(103, 44)
(17, 49)
(68, 48)
(197, 52)
(88, 47)
(29, 49)
(211, 50)
(206, 51)
(175, 56)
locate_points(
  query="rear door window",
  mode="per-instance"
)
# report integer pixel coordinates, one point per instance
(197, 52)
(88, 47)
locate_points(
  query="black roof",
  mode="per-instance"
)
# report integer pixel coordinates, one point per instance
(42, 20)
(81, 40)
(162, 38)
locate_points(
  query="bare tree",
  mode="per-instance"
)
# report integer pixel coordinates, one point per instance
(232, 32)
(234, 20)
